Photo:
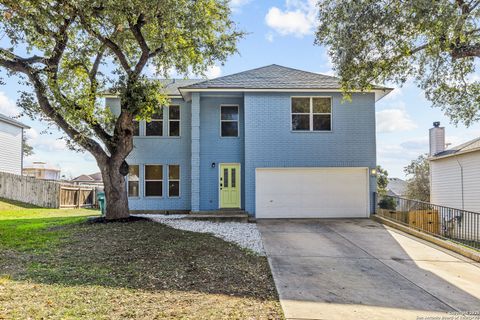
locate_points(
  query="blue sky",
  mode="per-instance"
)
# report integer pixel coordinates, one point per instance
(281, 32)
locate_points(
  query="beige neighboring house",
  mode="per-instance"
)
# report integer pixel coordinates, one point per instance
(42, 170)
(11, 145)
(454, 172)
(88, 179)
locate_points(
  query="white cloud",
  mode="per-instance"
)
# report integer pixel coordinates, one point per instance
(270, 37)
(8, 106)
(298, 18)
(213, 72)
(31, 134)
(237, 4)
(394, 120)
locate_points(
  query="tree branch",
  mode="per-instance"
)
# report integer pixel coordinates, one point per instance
(44, 104)
(137, 33)
(117, 51)
(464, 51)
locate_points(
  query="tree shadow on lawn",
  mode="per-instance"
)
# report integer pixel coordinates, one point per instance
(148, 256)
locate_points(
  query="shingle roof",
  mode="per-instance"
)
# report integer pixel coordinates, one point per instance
(171, 86)
(468, 146)
(396, 187)
(97, 177)
(4, 118)
(271, 77)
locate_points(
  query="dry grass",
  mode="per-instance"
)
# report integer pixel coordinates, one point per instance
(137, 270)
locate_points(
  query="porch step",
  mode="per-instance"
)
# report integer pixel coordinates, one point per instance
(220, 216)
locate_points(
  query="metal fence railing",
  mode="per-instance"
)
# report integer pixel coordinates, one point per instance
(454, 224)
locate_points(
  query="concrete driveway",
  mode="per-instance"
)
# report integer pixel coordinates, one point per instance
(360, 269)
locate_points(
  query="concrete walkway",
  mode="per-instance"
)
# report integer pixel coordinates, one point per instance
(360, 269)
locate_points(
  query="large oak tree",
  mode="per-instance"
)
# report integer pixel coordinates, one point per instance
(433, 42)
(68, 52)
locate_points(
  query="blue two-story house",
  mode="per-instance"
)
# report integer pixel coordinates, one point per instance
(274, 141)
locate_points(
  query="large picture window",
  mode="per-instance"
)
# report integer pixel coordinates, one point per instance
(153, 180)
(155, 126)
(229, 121)
(311, 114)
(133, 180)
(174, 121)
(173, 180)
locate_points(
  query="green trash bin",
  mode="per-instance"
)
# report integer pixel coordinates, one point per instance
(101, 202)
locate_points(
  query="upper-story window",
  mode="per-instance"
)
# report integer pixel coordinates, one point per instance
(229, 121)
(174, 121)
(155, 126)
(311, 114)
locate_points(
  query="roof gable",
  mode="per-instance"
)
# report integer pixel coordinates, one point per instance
(274, 77)
(271, 77)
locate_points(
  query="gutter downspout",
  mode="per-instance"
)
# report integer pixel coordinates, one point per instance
(461, 181)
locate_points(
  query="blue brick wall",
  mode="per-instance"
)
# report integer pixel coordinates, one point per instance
(265, 140)
(217, 149)
(165, 150)
(351, 143)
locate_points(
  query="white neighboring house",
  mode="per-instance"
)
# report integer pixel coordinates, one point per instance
(11, 145)
(454, 172)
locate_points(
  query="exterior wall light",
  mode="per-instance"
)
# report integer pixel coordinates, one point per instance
(373, 171)
(213, 164)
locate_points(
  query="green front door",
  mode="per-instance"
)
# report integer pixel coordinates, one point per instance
(230, 186)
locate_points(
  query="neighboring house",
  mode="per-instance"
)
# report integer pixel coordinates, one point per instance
(454, 172)
(273, 141)
(41, 170)
(396, 187)
(88, 179)
(11, 145)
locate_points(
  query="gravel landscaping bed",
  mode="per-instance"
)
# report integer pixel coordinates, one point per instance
(245, 235)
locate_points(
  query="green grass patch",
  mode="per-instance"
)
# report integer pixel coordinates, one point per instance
(55, 265)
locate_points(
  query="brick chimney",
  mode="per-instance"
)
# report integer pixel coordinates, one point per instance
(437, 139)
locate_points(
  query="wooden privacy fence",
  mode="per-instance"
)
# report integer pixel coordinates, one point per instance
(78, 197)
(46, 194)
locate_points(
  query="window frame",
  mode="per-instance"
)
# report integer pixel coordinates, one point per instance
(145, 180)
(237, 121)
(174, 180)
(311, 114)
(139, 182)
(156, 120)
(179, 120)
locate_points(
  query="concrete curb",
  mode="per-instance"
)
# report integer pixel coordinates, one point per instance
(466, 252)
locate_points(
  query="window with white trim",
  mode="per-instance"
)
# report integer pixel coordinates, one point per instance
(155, 126)
(173, 180)
(229, 121)
(153, 180)
(133, 180)
(174, 121)
(311, 114)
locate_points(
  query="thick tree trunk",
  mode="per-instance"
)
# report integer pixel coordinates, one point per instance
(115, 190)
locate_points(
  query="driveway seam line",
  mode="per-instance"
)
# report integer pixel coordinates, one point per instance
(395, 271)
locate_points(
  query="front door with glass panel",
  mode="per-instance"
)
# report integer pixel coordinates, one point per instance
(229, 186)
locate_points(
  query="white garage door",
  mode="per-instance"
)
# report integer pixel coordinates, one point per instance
(312, 193)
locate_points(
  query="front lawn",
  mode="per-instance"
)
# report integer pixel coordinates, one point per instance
(55, 265)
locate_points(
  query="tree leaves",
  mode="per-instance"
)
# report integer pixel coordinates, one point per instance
(433, 43)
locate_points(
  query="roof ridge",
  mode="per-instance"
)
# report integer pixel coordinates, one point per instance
(234, 74)
(466, 144)
(314, 73)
